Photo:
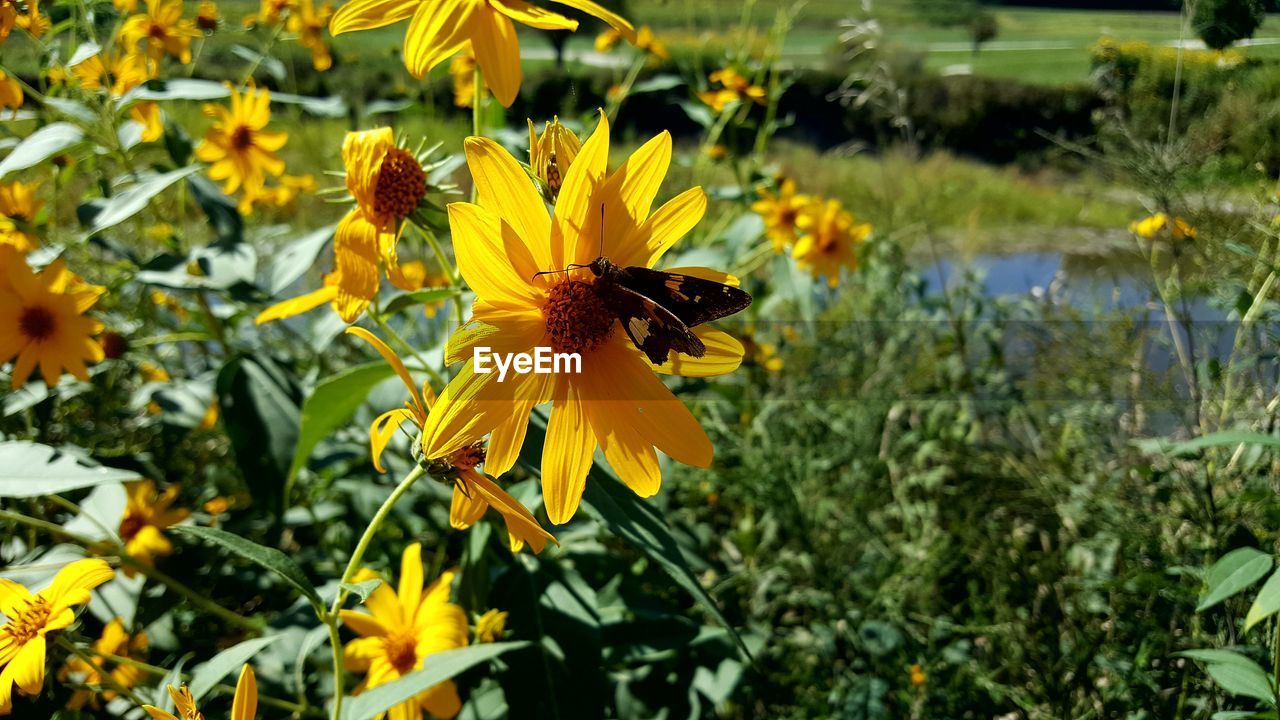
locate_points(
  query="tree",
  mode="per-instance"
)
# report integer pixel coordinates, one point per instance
(983, 27)
(1219, 23)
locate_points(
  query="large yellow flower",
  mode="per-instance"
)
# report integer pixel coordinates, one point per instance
(243, 707)
(117, 642)
(42, 321)
(440, 28)
(238, 147)
(387, 183)
(309, 23)
(781, 212)
(617, 402)
(18, 205)
(119, 72)
(473, 492)
(551, 154)
(30, 617)
(147, 515)
(161, 31)
(829, 240)
(403, 628)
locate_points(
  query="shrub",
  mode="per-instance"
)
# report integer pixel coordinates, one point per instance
(1222, 22)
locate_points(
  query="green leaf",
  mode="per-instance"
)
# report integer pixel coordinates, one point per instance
(361, 590)
(1234, 673)
(179, 89)
(331, 404)
(436, 669)
(269, 558)
(132, 200)
(40, 146)
(1266, 604)
(1233, 572)
(418, 297)
(29, 469)
(1218, 439)
(296, 258)
(260, 408)
(208, 675)
(657, 83)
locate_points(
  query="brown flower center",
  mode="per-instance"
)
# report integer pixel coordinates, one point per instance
(787, 217)
(468, 457)
(37, 323)
(27, 622)
(402, 651)
(577, 319)
(401, 184)
(242, 138)
(130, 526)
(157, 31)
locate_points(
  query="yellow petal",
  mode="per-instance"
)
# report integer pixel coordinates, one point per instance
(668, 224)
(504, 188)
(465, 508)
(533, 16)
(72, 584)
(566, 455)
(394, 361)
(492, 261)
(629, 454)
(503, 331)
(157, 714)
(628, 196)
(12, 596)
(28, 666)
(370, 14)
(575, 229)
(618, 22)
(497, 49)
(298, 305)
(355, 257)
(724, 355)
(410, 590)
(383, 429)
(472, 405)
(507, 438)
(438, 30)
(245, 704)
(521, 523)
(363, 624)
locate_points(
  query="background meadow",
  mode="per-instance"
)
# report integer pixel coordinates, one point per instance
(1014, 457)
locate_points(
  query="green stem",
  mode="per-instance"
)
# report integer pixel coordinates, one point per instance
(108, 682)
(399, 340)
(615, 102)
(109, 548)
(353, 566)
(455, 277)
(477, 110)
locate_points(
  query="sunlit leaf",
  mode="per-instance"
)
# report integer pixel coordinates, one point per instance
(435, 669)
(40, 146)
(1233, 572)
(29, 469)
(132, 200)
(268, 558)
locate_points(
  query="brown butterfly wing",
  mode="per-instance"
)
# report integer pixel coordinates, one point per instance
(655, 330)
(691, 299)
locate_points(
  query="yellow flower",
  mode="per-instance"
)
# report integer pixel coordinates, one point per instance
(767, 357)
(717, 152)
(8, 18)
(462, 69)
(780, 213)
(734, 89)
(115, 641)
(608, 40)
(147, 114)
(18, 205)
(161, 30)
(491, 626)
(412, 276)
(647, 41)
(829, 240)
(270, 12)
(1154, 226)
(125, 6)
(33, 22)
(42, 320)
(918, 677)
(121, 72)
(401, 630)
(153, 373)
(147, 515)
(11, 95)
(387, 183)
(617, 402)
(241, 152)
(243, 707)
(210, 418)
(551, 154)
(473, 491)
(439, 28)
(309, 23)
(31, 617)
(207, 16)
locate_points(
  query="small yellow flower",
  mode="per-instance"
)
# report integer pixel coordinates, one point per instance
(31, 617)
(734, 89)
(42, 321)
(781, 212)
(119, 72)
(462, 68)
(125, 6)
(829, 240)
(717, 152)
(160, 31)
(147, 114)
(243, 707)
(1156, 225)
(918, 677)
(153, 373)
(33, 22)
(115, 641)
(147, 515)
(210, 418)
(440, 28)
(11, 95)
(473, 491)
(270, 13)
(551, 154)
(241, 152)
(207, 16)
(767, 357)
(608, 40)
(491, 626)
(8, 18)
(217, 506)
(401, 630)
(18, 205)
(412, 275)
(309, 23)
(648, 42)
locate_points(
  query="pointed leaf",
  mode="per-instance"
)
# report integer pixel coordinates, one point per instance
(208, 675)
(29, 469)
(1233, 572)
(436, 669)
(40, 146)
(331, 404)
(269, 558)
(132, 200)
(1266, 604)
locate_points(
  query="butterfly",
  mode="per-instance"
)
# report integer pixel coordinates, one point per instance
(656, 308)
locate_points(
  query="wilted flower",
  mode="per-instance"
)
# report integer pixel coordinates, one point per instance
(440, 28)
(551, 154)
(401, 630)
(29, 618)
